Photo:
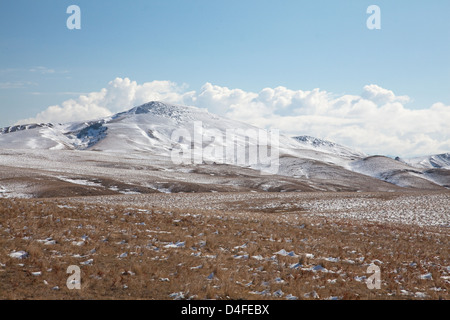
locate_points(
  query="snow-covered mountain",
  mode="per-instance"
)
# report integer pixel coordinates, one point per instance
(435, 161)
(328, 147)
(158, 129)
(400, 173)
(150, 128)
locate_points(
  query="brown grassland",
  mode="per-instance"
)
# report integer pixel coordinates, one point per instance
(124, 252)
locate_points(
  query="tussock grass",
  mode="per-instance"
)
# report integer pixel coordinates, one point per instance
(226, 254)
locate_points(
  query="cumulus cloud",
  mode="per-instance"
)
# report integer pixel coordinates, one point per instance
(119, 95)
(382, 96)
(376, 121)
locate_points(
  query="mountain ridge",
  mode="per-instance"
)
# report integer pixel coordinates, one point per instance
(149, 129)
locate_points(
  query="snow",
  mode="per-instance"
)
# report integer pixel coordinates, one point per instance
(332, 259)
(261, 293)
(328, 147)
(429, 162)
(47, 242)
(177, 296)
(427, 276)
(135, 148)
(295, 265)
(404, 209)
(399, 173)
(318, 268)
(149, 128)
(175, 245)
(279, 281)
(278, 294)
(284, 253)
(3, 192)
(197, 267)
(81, 182)
(19, 255)
(360, 279)
(88, 262)
(241, 246)
(312, 294)
(420, 295)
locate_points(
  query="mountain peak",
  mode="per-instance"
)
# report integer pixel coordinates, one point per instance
(24, 127)
(162, 109)
(152, 107)
(430, 162)
(328, 146)
(316, 142)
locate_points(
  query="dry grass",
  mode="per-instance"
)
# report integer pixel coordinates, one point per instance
(212, 242)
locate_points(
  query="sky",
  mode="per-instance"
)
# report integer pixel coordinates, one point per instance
(304, 67)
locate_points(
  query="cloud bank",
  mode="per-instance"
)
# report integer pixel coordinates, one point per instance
(376, 121)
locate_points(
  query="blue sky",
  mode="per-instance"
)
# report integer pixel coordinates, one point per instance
(245, 44)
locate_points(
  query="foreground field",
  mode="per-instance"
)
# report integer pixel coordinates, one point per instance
(227, 246)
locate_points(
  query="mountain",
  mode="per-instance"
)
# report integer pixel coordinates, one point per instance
(144, 128)
(149, 128)
(401, 174)
(328, 147)
(133, 151)
(440, 161)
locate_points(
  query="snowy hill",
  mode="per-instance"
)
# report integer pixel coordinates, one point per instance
(399, 173)
(149, 128)
(154, 132)
(144, 128)
(435, 161)
(328, 147)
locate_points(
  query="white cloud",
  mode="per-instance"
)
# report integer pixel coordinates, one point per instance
(119, 95)
(382, 96)
(42, 70)
(16, 84)
(376, 121)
